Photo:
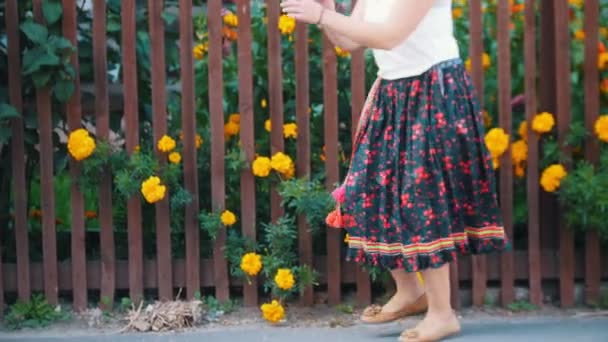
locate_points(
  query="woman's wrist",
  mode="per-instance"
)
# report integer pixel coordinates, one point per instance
(321, 15)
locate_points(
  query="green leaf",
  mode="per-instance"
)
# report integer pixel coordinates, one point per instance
(8, 112)
(63, 90)
(35, 32)
(5, 134)
(41, 78)
(34, 59)
(52, 11)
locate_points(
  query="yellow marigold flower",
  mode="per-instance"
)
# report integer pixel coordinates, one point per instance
(576, 3)
(287, 25)
(199, 51)
(519, 152)
(152, 190)
(251, 264)
(263, 103)
(346, 238)
(137, 148)
(543, 122)
(552, 176)
(341, 52)
(284, 279)
(290, 172)
(457, 13)
(497, 142)
(231, 128)
(604, 32)
(228, 218)
(579, 35)
(80, 144)
(523, 130)
(602, 61)
(273, 312)
(166, 144)
(268, 125)
(601, 128)
(520, 171)
(175, 157)
(236, 118)
(290, 130)
(199, 141)
(261, 167)
(282, 163)
(231, 19)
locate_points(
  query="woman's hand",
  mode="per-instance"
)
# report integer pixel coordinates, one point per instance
(329, 4)
(308, 11)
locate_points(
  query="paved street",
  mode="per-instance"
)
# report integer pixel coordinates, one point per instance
(562, 329)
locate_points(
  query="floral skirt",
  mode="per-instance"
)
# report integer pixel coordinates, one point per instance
(421, 188)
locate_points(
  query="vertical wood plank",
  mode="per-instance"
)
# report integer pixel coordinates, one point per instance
(330, 106)
(189, 153)
(357, 65)
(216, 111)
(506, 171)
(275, 94)
(47, 200)
(102, 120)
(248, 200)
(1, 287)
(18, 151)
(74, 112)
(159, 108)
(131, 117)
(303, 148)
(563, 103)
(534, 246)
(592, 112)
(476, 50)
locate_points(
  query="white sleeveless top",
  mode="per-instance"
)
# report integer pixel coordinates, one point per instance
(432, 42)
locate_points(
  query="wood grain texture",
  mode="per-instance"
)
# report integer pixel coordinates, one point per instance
(534, 246)
(47, 200)
(159, 109)
(18, 150)
(218, 182)
(505, 120)
(102, 120)
(248, 200)
(131, 119)
(74, 113)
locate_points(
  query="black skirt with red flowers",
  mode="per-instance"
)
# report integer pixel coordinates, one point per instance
(421, 188)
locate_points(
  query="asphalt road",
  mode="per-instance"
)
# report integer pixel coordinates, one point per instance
(562, 329)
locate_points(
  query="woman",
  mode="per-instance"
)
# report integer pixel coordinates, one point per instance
(420, 188)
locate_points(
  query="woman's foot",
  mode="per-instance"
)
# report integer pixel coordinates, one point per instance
(434, 327)
(399, 306)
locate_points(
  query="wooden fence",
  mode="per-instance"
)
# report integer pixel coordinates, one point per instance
(543, 260)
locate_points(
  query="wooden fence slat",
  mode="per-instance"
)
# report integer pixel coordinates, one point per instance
(159, 107)
(476, 51)
(131, 118)
(505, 119)
(189, 153)
(330, 107)
(18, 151)
(47, 200)
(102, 121)
(534, 247)
(563, 103)
(275, 94)
(592, 111)
(303, 146)
(248, 200)
(216, 111)
(74, 112)
(358, 96)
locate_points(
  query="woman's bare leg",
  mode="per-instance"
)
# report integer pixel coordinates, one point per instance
(408, 291)
(440, 320)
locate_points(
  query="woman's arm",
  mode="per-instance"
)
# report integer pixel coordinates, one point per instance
(403, 19)
(338, 39)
